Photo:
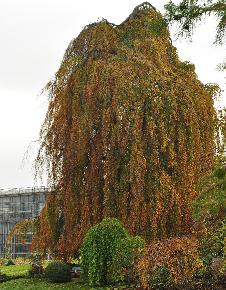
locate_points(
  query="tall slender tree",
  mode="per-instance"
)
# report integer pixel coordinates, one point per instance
(128, 132)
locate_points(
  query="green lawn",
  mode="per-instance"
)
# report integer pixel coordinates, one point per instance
(40, 284)
(15, 270)
(36, 284)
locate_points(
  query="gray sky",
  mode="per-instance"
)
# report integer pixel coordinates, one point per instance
(33, 37)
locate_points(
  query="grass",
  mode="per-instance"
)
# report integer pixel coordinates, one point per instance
(41, 284)
(15, 270)
(36, 284)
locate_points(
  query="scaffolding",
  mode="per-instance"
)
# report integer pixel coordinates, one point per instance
(17, 204)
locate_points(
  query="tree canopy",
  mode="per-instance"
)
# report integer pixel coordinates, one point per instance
(128, 132)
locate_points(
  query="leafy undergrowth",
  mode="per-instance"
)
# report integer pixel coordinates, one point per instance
(15, 270)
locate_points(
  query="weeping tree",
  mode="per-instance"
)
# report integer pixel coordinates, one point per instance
(128, 132)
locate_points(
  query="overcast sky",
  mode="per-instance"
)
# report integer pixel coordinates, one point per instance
(33, 37)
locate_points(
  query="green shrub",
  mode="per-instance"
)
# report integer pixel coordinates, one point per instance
(209, 205)
(58, 272)
(9, 263)
(107, 252)
(219, 172)
(211, 243)
(161, 278)
(2, 277)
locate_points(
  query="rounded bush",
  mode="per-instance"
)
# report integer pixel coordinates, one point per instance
(58, 272)
(9, 263)
(107, 252)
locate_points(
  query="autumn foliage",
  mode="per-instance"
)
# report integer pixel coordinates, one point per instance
(21, 232)
(128, 132)
(178, 255)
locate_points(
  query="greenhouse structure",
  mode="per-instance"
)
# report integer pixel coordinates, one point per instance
(15, 205)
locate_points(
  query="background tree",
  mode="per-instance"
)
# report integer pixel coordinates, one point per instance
(189, 13)
(128, 132)
(209, 210)
(210, 205)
